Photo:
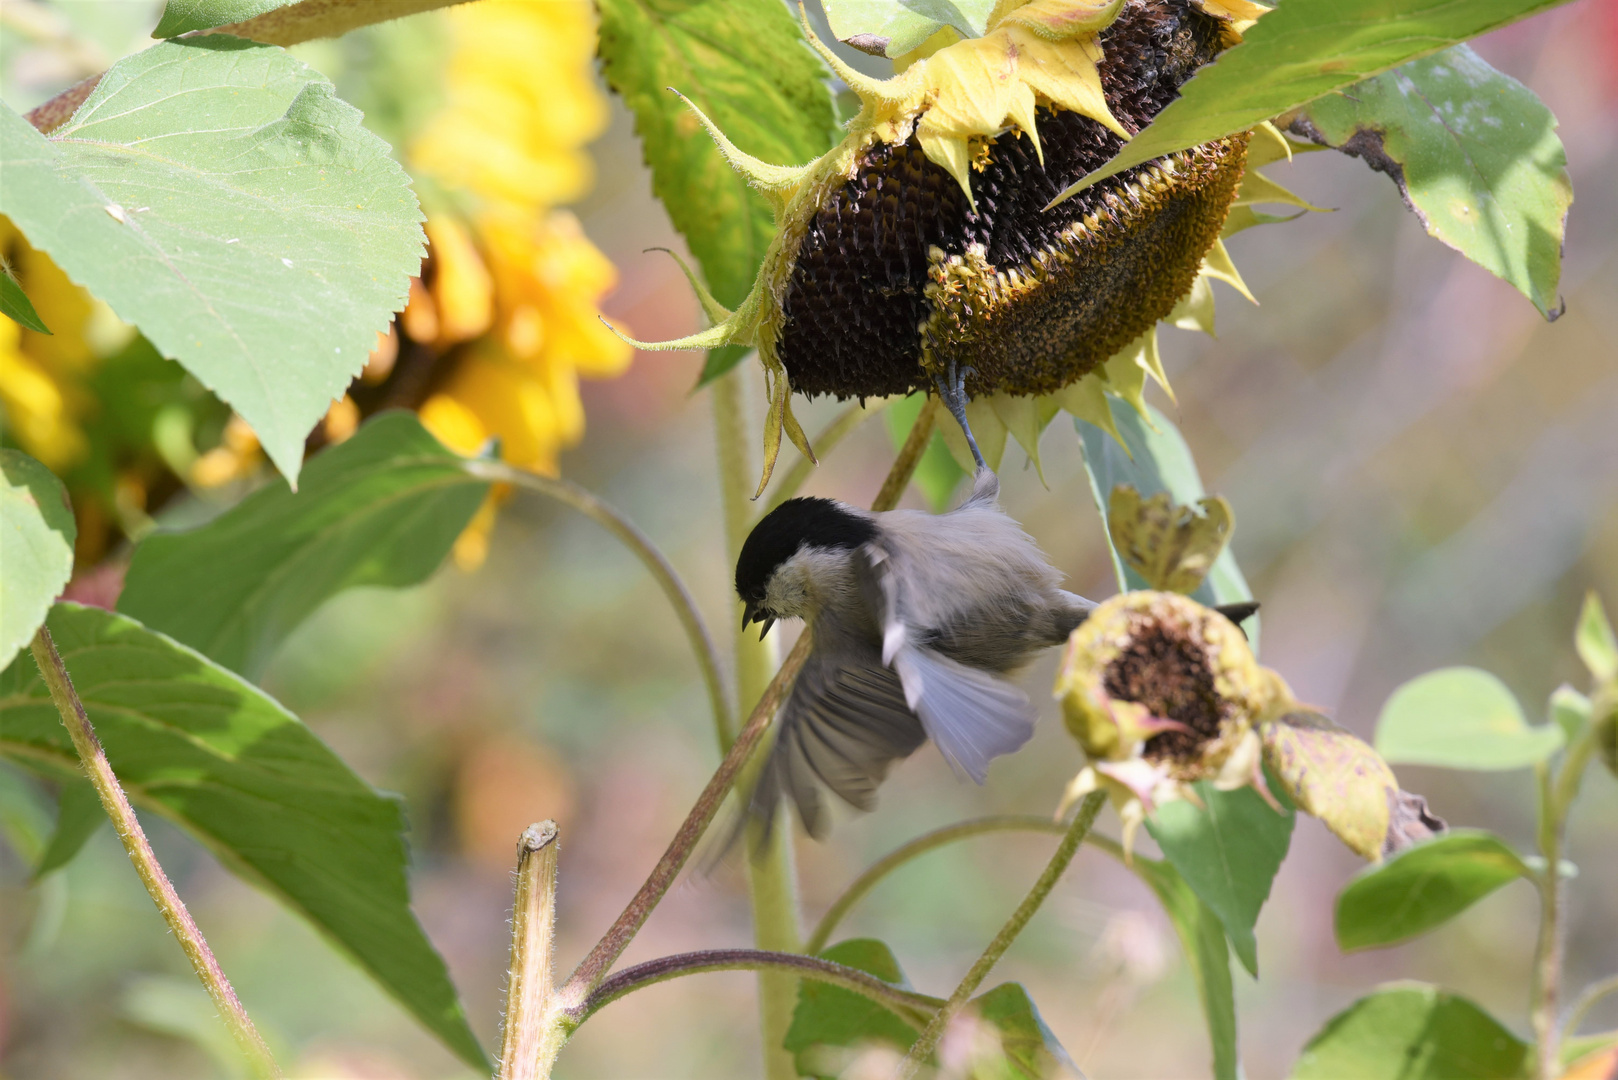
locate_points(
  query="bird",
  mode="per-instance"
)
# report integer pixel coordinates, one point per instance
(918, 622)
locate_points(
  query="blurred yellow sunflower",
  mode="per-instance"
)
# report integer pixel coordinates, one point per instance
(513, 284)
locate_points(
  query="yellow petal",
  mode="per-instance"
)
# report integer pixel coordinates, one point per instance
(462, 287)
(1217, 264)
(1066, 73)
(1059, 20)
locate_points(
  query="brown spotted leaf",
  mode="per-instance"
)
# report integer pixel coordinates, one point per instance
(1173, 547)
(1341, 780)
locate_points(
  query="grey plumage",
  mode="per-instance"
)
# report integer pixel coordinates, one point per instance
(917, 619)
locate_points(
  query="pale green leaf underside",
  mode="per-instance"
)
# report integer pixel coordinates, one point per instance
(1423, 887)
(1157, 459)
(1300, 51)
(1461, 718)
(1413, 1032)
(1229, 852)
(383, 508)
(215, 754)
(37, 531)
(1482, 166)
(217, 195)
(906, 23)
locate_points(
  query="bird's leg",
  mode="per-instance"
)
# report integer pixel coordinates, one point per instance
(952, 392)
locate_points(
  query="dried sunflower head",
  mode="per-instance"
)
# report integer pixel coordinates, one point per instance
(1160, 692)
(925, 238)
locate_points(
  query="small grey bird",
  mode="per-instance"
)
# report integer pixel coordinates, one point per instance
(917, 620)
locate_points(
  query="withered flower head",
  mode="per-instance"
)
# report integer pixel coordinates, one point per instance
(1160, 692)
(924, 237)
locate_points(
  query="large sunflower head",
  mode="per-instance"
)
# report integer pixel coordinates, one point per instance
(926, 236)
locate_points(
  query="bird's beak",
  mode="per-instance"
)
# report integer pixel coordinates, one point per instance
(768, 622)
(751, 614)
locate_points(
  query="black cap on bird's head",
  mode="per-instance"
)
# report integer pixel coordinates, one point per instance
(795, 524)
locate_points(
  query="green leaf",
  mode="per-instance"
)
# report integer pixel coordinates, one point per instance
(210, 751)
(78, 815)
(1300, 51)
(780, 111)
(1571, 711)
(1595, 642)
(15, 305)
(1172, 547)
(184, 16)
(1413, 1032)
(1461, 718)
(937, 474)
(832, 1016)
(218, 195)
(1228, 853)
(906, 23)
(1202, 937)
(37, 532)
(1028, 1048)
(1475, 155)
(382, 508)
(1156, 459)
(1422, 887)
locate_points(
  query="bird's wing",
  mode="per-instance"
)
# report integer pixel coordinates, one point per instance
(842, 728)
(972, 715)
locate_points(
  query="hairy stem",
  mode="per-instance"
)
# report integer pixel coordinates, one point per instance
(912, 1007)
(528, 1042)
(1586, 1001)
(679, 597)
(938, 838)
(771, 874)
(116, 803)
(1076, 832)
(1548, 952)
(832, 434)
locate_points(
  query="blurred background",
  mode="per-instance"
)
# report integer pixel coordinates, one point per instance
(1424, 473)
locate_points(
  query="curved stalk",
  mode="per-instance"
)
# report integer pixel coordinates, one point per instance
(158, 886)
(679, 597)
(832, 434)
(1548, 951)
(904, 466)
(1076, 832)
(921, 845)
(772, 876)
(1587, 1001)
(911, 1007)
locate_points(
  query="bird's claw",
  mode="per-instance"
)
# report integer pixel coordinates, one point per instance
(952, 392)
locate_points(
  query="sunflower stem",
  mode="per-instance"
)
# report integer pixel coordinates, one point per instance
(771, 873)
(1076, 832)
(133, 837)
(530, 1037)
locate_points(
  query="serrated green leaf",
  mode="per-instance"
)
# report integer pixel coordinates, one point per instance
(1202, 937)
(37, 532)
(1029, 1050)
(212, 752)
(937, 474)
(1413, 1032)
(184, 16)
(382, 508)
(1461, 718)
(1229, 853)
(1475, 154)
(78, 816)
(832, 1016)
(779, 111)
(215, 193)
(1157, 459)
(1300, 51)
(1594, 640)
(1423, 887)
(15, 305)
